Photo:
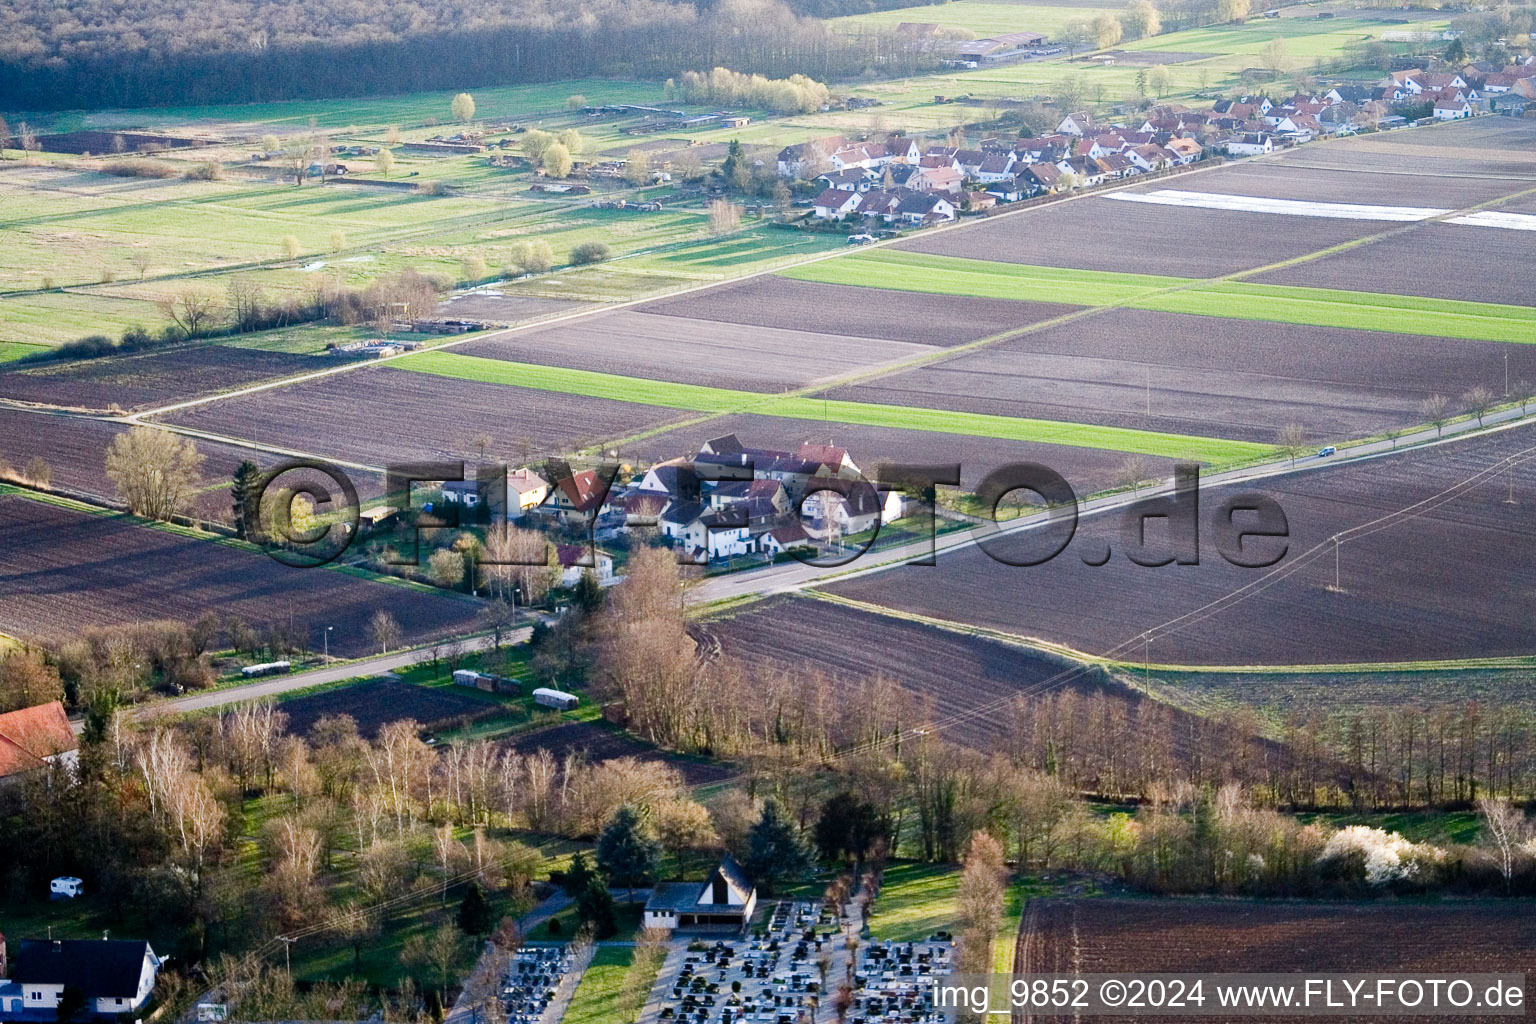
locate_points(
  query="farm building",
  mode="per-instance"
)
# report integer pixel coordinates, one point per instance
(33, 738)
(558, 699)
(722, 902)
(116, 977)
(482, 681)
(999, 47)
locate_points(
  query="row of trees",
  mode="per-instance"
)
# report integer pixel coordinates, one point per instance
(254, 50)
(796, 94)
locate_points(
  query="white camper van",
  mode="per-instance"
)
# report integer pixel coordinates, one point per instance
(65, 888)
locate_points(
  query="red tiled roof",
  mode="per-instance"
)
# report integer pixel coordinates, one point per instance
(581, 490)
(32, 735)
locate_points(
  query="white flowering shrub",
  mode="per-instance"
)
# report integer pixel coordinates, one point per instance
(1385, 856)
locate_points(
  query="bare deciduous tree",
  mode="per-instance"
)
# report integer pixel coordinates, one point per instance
(1506, 830)
(155, 471)
(724, 217)
(1292, 440)
(384, 630)
(1132, 473)
(1478, 401)
(1433, 409)
(190, 309)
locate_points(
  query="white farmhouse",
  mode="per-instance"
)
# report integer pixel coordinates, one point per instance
(116, 977)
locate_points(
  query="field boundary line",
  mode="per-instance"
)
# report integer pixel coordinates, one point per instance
(600, 308)
(799, 405)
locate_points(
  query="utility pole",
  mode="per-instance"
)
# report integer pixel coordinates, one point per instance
(1146, 658)
(326, 636)
(1336, 588)
(287, 956)
(1506, 374)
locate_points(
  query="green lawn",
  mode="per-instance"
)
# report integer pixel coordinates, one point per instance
(915, 901)
(699, 398)
(1239, 300)
(597, 998)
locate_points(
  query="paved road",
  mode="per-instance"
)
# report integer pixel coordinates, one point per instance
(793, 577)
(301, 680)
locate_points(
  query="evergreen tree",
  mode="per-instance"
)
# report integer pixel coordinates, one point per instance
(847, 827)
(773, 850)
(595, 907)
(626, 853)
(589, 593)
(578, 877)
(243, 493)
(476, 915)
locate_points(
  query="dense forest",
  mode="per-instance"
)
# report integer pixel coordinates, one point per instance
(98, 53)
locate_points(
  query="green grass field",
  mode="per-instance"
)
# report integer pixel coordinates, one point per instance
(915, 901)
(951, 275)
(720, 401)
(1238, 300)
(981, 17)
(365, 112)
(597, 998)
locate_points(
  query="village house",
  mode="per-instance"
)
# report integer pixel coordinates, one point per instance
(578, 497)
(115, 977)
(942, 176)
(920, 208)
(834, 203)
(854, 179)
(838, 508)
(1184, 151)
(571, 555)
(32, 739)
(724, 902)
(1251, 144)
(1452, 109)
(525, 490)
(1077, 123)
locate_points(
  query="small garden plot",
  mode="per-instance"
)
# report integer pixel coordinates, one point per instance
(375, 703)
